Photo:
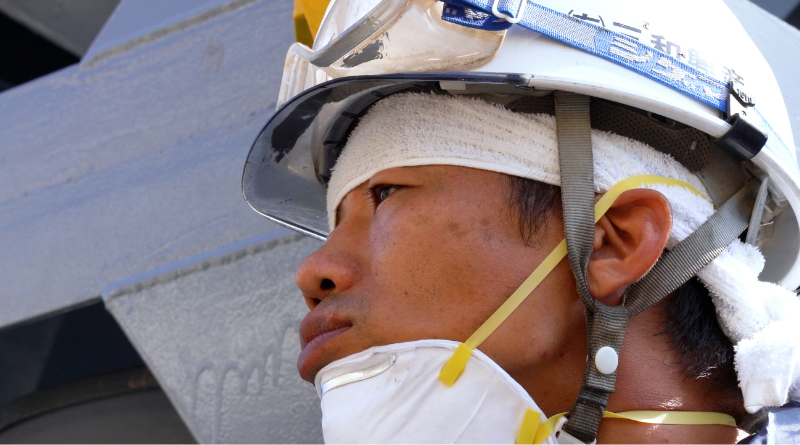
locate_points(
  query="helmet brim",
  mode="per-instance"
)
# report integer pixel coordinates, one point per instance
(288, 168)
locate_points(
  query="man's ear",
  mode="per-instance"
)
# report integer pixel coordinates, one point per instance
(628, 240)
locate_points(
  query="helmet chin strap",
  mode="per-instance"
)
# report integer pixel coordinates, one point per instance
(606, 324)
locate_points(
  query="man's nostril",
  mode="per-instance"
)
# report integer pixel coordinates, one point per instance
(327, 284)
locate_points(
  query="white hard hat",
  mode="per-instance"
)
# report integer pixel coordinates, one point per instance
(367, 49)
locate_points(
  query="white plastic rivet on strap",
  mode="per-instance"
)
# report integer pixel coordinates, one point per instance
(606, 360)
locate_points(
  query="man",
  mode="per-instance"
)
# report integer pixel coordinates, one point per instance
(442, 198)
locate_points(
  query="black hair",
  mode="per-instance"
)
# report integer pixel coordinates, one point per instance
(532, 201)
(689, 318)
(692, 327)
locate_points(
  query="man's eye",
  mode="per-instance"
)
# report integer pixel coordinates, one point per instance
(381, 192)
(386, 191)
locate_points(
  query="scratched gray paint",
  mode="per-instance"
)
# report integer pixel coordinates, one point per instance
(220, 333)
(110, 171)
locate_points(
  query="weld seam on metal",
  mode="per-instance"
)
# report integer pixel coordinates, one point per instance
(153, 36)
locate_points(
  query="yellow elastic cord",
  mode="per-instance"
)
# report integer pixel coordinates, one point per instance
(455, 366)
(530, 424)
(546, 428)
(674, 417)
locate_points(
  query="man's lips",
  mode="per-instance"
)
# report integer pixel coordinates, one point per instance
(321, 339)
(320, 324)
(316, 331)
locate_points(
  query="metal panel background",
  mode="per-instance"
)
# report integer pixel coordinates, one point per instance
(220, 334)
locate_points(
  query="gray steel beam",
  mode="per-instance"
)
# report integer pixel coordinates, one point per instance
(70, 24)
(110, 171)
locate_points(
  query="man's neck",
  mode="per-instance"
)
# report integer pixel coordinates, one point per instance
(648, 378)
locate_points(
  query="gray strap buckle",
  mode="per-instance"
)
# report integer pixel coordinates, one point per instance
(565, 438)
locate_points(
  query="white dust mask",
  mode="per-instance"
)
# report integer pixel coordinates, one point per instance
(392, 394)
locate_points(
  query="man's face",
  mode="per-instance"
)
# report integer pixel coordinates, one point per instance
(430, 253)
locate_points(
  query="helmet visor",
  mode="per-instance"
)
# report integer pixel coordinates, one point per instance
(287, 171)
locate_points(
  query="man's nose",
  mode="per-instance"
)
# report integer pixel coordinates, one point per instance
(327, 271)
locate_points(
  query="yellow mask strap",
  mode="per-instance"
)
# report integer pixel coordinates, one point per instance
(455, 366)
(534, 432)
